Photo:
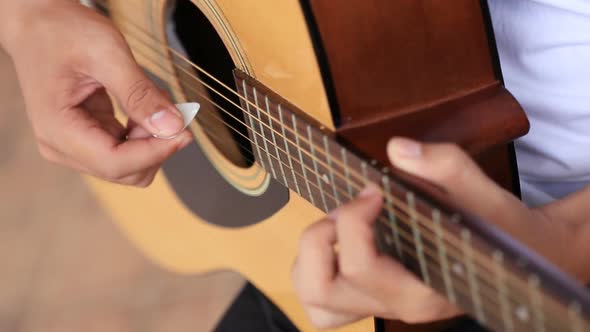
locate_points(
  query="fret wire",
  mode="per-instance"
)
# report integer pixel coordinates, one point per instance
(466, 236)
(434, 271)
(536, 303)
(417, 238)
(516, 279)
(574, 313)
(294, 120)
(275, 142)
(249, 114)
(315, 167)
(365, 172)
(346, 171)
(498, 258)
(392, 218)
(331, 169)
(442, 251)
(462, 291)
(272, 168)
(287, 149)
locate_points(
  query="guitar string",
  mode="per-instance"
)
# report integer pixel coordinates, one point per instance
(409, 250)
(246, 125)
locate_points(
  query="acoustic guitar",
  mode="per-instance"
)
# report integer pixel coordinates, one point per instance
(298, 101)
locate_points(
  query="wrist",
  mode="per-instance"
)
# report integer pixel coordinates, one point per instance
(16, 17)
(569, 238)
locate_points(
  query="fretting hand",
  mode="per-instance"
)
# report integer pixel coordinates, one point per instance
(356, 281)
(67, 58)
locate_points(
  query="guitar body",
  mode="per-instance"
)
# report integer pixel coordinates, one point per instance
(210, 208)
(158, 221)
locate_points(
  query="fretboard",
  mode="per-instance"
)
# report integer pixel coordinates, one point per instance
(503, 285)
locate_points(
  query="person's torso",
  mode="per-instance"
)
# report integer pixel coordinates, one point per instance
(544, 48)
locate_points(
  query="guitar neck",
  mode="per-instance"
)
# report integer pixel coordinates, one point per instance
(500, 283)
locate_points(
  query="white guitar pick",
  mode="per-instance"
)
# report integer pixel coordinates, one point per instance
(188, 111)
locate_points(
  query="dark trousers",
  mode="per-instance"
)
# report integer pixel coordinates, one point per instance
(251, 311)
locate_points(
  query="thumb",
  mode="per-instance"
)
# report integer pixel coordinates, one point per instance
(445, 165)
(140, 98)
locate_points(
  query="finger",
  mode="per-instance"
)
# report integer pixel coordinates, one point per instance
(136, 155)
(98, 105)
(135, 131)
(315, 266)
(109, 157)
(142, 100)
(141, 179)
(316, 280)
(358, 253)
(57, 157)
(448, 166)
(326, 319)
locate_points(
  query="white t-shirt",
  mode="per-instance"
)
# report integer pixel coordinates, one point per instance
(544, 48)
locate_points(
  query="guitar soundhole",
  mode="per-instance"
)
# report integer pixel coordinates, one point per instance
(222, 120)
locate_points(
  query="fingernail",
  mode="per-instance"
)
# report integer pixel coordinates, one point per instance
(404, 148)
(167, 123)
(369, 190)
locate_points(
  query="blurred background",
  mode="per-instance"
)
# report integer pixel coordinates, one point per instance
(64, 266)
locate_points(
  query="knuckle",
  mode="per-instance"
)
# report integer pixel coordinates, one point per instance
(111, 172)
(415, 317)
(428, 306)
(411, 318)
(320, 320)
(357, 271)
(308, 238)
(317, 295)
(452, 163)
(145, 181)
(312, 298)
(138, 93)
(46, 153)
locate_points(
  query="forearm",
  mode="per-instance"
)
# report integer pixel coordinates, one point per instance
(568, 223)
(15, 16)
(559, 231)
